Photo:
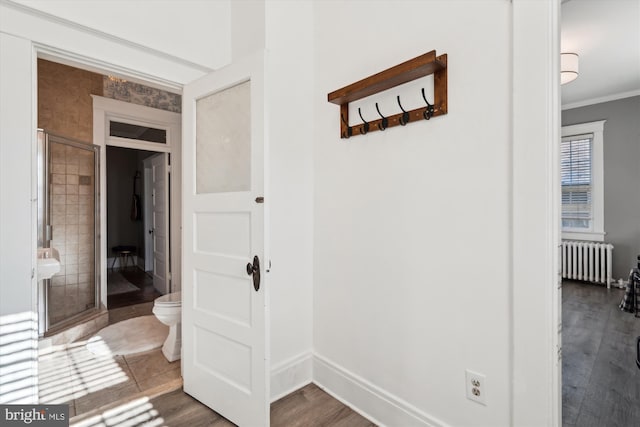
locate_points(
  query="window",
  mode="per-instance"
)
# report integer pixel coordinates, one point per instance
(575, 168)
(581, 169)
(143, 133)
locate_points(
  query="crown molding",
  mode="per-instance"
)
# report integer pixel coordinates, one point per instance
(601, 99)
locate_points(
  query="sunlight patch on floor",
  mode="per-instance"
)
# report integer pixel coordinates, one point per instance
(74, 372)
(18, 352)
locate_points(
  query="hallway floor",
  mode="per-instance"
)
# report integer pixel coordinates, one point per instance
(600, 379)
(145, 293)
(145, 389)
(307, 407)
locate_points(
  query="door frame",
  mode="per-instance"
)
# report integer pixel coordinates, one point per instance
(536, 305)
(105, 110)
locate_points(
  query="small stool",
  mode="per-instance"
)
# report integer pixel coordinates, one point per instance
(124, 253)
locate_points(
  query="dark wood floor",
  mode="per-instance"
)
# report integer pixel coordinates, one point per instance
(143, 281)
(310, 407)
(307, 407)
(600, 379)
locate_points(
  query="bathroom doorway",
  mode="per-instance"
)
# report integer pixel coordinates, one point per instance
(129, 272)
(99, 111)
(141, 201)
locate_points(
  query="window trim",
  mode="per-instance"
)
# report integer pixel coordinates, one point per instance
(596, 233)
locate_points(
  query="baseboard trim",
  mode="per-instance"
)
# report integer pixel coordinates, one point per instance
(369, 400)
(291, 375)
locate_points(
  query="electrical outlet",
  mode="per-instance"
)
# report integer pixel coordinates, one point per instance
(476, 387)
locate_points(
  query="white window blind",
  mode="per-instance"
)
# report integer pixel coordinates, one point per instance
(577, 184)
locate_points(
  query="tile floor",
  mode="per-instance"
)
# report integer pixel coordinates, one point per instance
(72, 375)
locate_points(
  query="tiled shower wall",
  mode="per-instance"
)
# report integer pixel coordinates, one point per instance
(72, 202)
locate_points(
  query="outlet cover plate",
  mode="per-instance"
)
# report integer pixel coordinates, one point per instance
(476, 386)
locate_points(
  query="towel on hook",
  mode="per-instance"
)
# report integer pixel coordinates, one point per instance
(135, 202)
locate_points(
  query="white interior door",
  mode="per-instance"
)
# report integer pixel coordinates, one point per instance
(160, 221)
(225, 354)
(147, 212)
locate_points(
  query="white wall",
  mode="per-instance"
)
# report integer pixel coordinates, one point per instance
(155, 24)
(412, 236)
(247, 27)
(17, 234)
(100, 52)
(290, 127)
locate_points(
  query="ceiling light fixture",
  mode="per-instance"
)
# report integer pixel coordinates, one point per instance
(568, 67)
(116, 79)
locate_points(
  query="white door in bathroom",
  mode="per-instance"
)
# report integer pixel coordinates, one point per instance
(224, 304)
(160, 221)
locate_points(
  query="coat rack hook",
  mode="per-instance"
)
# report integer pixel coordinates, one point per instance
(405, 114)
(385, 122)
(365, 125)
(349, 129)
(428, 112)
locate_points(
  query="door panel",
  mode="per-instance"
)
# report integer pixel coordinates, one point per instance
(224, 296)
(225, 358)
(225, 328)
(225, 232)
(160, 223)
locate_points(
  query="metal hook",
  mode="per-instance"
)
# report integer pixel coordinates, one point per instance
(405, 114)
(428, 112)
(365, 125)
(349, 129)
(385, 122)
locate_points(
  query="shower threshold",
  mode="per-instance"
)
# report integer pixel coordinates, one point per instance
(74, 328)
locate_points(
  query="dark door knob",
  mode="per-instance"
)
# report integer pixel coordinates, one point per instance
(254, 270)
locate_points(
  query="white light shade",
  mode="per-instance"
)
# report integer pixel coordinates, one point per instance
(568, 67)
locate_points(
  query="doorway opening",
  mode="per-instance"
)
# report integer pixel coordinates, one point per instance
(600, 243)
(130, 264)
(123, 124)
(100, 110)
(141, 200)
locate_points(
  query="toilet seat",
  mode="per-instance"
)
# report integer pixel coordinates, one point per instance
(169, 300)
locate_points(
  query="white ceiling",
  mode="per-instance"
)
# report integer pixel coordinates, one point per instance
(606, 36)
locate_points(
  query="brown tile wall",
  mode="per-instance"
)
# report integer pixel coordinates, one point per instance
(64, 100)
(73, 220)
(65, 108)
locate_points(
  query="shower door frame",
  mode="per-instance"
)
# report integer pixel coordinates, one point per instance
(47, 231)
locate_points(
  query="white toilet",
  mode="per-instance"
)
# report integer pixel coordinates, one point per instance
(168, 310)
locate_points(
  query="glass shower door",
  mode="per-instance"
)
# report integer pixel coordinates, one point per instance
(72, 211)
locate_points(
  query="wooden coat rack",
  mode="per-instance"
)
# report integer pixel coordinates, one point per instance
(412, 69)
